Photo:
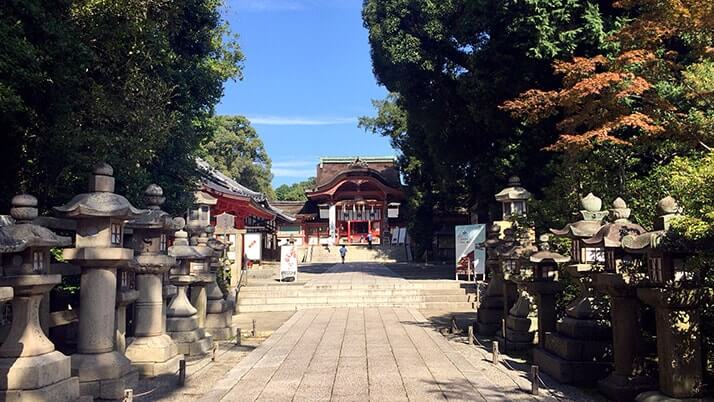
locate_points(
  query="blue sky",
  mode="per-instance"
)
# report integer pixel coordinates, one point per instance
(308, 77)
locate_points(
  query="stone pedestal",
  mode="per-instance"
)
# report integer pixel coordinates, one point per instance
(679, 348)
(199, 295)
(182, 321)
(219, 315)
(628, 378)
(152, 351)
(519, 334)
(103, 372)
(30, 367)
(545, 292)
(580, 350)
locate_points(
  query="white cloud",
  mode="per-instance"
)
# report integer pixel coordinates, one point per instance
(295, 173)
(294, 164)
(300, 121)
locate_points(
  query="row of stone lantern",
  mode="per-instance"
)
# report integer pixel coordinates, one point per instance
(597, 340)
(113, 276)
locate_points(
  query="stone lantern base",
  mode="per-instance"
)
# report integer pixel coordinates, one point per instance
(220, 325)
(567, 371)
(104, 375)
(154, 355)
(620, 388)
(38, 378)
(188, 337)
(518, 335)
(490, 314)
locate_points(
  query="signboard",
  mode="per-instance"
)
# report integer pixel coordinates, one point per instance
(395, 235)
(253, 246)
(402, 235)
(470, 253)
(288, 262)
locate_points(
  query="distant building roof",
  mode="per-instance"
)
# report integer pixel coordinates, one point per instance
(350, 159)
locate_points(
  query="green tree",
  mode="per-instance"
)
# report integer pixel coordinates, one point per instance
(295, 191)
(133, 83)
(236, 150)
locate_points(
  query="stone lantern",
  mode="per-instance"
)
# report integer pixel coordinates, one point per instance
(219, 314)
(182, 320)
(677, 298)
(513, 199)
(544, 286)
(490, 311)
(580, 349)
(619, 281)
(510, 264)
(126, 295)
(99, 250)
(151, 350)
(30, 367)
(516, 331)
(201, 273)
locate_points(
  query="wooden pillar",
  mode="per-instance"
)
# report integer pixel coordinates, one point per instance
(349, 231)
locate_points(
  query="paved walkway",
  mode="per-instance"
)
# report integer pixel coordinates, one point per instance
(360, 354)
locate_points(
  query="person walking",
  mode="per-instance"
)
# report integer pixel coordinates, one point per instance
(343, 253)
(369, 241)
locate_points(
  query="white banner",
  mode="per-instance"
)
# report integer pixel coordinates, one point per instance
(288, 262)
(253, 246)
(470, 253)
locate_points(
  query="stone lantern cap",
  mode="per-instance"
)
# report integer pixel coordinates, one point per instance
(217, 245)
(155, 218)
(645, 241)
(612, 234)
(640, 244)
(23, 234)
(591, 222)
(181, 249)
(101, 201)
(544, 253)
(514, 191)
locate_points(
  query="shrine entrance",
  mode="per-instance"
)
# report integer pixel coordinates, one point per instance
(356, 220)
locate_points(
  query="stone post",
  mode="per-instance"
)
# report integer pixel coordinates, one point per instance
(679, 347)
(677, 305)
(30, 367)
(152, 351)
(182, 320)
(100, 214)
(202, 277)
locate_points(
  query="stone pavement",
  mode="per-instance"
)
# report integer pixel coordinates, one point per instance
(361, 354)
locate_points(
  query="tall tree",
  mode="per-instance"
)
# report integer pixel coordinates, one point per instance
(129, 82)
(236, 150)
(452, 63)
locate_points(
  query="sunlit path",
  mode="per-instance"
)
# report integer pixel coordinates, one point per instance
(379, 354)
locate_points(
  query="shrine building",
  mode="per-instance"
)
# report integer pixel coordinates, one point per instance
(353, 197)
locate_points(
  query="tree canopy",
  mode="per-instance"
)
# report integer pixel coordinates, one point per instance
(236, 150)
(133, 83)
(295, 191)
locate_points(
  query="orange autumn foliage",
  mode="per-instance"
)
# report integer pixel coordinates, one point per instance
(613, 99)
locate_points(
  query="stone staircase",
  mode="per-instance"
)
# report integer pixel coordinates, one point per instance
(443, 295)
(359, 253)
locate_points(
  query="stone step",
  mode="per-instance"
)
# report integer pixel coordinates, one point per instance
(336, 300)
(337, 292)
(292, 307)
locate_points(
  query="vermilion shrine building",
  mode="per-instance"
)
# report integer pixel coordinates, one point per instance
(353, 197)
